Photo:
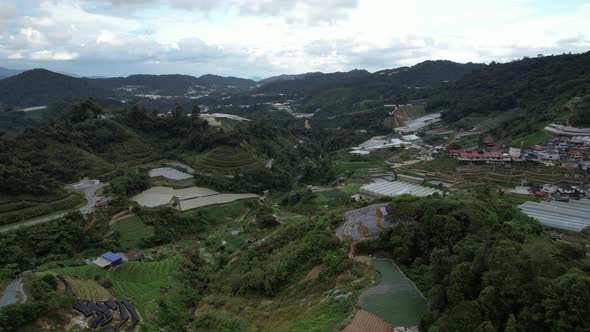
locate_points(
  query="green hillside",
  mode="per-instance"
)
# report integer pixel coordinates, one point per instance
(542, 89)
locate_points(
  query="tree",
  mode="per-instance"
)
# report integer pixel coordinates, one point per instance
(511, 324)
(196, 110)
(178, 112)
(265, 218)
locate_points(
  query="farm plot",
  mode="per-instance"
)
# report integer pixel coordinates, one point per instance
(88, 289)
(224, 159)
(395, 299)
(142, 283)
(132, 231)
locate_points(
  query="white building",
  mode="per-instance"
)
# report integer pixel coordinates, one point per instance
(514, 153)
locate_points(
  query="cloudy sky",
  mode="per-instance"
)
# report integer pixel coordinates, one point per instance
(267, 37)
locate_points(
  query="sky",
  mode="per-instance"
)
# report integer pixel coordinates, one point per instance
(247, 38)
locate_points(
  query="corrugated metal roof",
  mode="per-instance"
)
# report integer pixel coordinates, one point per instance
(574, 215)
(396, 188)
(102, 262)
(111, 256)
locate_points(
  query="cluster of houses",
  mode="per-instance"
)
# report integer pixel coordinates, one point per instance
(561, 151)
(563, 192)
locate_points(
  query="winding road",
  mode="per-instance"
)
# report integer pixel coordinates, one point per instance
(88, 188)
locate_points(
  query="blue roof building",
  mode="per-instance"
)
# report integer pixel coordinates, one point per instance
(108, 259)
(113, 258)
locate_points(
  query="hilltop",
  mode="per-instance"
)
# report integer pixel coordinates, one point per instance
(41, 87)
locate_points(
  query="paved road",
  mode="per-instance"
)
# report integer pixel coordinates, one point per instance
(10, 295)
(31, 222)
(88, 188)
(89, 194)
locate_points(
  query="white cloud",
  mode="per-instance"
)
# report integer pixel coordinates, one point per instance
(265, 37)
(107, 38)
(53, 55)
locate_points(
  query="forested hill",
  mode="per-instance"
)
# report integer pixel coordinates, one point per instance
(422, 74)
(173, 84)
(41, 87)
(313, 82)
(544, 87)
(285, 77)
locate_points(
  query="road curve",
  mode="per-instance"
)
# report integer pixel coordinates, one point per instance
(91, 199)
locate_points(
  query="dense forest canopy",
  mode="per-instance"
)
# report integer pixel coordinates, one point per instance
(541, 86)
(482, 263)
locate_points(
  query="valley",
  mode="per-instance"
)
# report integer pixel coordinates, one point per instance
(318, 202)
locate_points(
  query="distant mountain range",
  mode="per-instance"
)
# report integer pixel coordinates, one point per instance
(5, 72)
(41, 87)
(423, 74)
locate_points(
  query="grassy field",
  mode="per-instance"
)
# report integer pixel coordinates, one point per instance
(532, 139)
(132, 231)
(142, 283)
(223, 219)
(351, 188)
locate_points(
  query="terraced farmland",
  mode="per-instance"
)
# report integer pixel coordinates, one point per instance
(224, 159)
(469, 176)
(142, 283)
(88, 289)
(18, 208)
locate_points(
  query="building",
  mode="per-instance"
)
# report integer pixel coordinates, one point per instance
(470, 155)
(396, 188)
(548, 155)
(514, 153)
(108, 260)
(489, 142)
(556, 129)
(134, 255)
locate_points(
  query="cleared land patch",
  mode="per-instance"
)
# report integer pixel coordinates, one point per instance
(364, 223)
(132, 231)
